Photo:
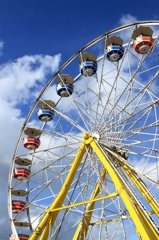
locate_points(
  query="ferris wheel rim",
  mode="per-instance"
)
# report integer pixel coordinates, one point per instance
(68, 62)
(151, 22)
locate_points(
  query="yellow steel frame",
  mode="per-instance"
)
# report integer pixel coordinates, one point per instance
(82, 228)
(143, 190)
(144, 227)
(50, 217)
(114, 194)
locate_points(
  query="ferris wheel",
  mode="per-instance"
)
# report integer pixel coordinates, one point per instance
(86, 164)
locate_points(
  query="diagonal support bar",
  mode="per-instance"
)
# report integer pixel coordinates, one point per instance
(143, 189)
(50, 217)
(144, 227)
(114, 194)
(154, 204)
(82, 228)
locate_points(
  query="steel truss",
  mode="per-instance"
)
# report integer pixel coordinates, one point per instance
(145, 226)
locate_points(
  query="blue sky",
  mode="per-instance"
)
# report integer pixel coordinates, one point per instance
(51, 27)
(48, 33)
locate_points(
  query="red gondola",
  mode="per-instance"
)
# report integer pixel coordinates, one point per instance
(31, 143)
(143, 44)
(21, 237)
(143, 41)
(18, 206)
(21, 173)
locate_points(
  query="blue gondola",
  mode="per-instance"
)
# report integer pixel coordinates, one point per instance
(64, 90)
(88, 68)
(45, 115)
(114, 53)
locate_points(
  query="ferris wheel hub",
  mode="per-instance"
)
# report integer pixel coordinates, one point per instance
(96, 136)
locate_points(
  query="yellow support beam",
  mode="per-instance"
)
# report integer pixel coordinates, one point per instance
(140, 186)
(50, 217)
(82, 228)
(114, 194)
(144, 227)
(143, 190)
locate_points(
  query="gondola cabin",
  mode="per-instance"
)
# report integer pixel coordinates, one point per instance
(31, 143)
(88, 64)
(65, 85)
(45, 115)
(143, 41)
(18, 206)
(23, 237)
(21, 173)
(46, 112)
(114, 49)
(20, 237)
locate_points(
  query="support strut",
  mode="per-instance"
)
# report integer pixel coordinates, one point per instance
(144, 226)
(82, 228)
(50, 217)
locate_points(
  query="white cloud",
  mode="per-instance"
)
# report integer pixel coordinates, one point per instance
(18, 77)
(1, 47)
(127, 18)
(18, 80)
